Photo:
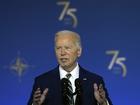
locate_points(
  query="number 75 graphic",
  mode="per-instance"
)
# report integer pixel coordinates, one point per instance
(118, 61)
(68, 11)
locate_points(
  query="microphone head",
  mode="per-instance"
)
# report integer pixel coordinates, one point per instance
(64, 80)
(64, 83)
(78, 86)
(77, 83)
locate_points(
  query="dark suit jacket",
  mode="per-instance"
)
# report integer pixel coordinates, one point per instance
(52, 81)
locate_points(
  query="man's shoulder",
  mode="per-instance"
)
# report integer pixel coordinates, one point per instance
(49, 74)
(90, 74)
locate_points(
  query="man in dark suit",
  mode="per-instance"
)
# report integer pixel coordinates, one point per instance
(50, 89)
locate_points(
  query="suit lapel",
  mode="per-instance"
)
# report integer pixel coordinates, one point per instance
(87, 93)
(83, 78)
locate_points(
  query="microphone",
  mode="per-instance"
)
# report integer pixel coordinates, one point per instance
(78, 91)
(64, 81)
(64, 85)
(78, 86)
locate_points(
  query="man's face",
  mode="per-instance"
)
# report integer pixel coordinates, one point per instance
(67, 51)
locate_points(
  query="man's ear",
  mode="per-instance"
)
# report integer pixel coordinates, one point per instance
(79, 51)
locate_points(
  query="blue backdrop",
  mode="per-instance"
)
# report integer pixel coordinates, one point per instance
(110, 32)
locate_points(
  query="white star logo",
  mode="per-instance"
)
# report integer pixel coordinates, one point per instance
(19, 66)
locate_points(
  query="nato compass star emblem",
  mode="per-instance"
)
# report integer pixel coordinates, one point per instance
(18, 65)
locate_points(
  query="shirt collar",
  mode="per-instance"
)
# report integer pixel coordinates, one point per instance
(74, 73)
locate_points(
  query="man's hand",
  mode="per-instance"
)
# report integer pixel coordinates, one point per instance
(99, 94)
(39, 98)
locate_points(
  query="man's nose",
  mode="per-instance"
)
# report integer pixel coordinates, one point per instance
(63, 51)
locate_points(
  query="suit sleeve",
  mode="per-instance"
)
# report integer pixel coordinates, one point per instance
(35, 86)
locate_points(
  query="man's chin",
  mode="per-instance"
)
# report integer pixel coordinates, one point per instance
(64, 66)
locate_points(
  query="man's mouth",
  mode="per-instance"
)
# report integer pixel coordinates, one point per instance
(64, 59)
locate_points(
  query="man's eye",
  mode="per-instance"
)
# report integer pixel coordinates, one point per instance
(57, 48)
(68, 48)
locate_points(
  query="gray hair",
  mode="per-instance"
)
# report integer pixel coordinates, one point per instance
(67, 32)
